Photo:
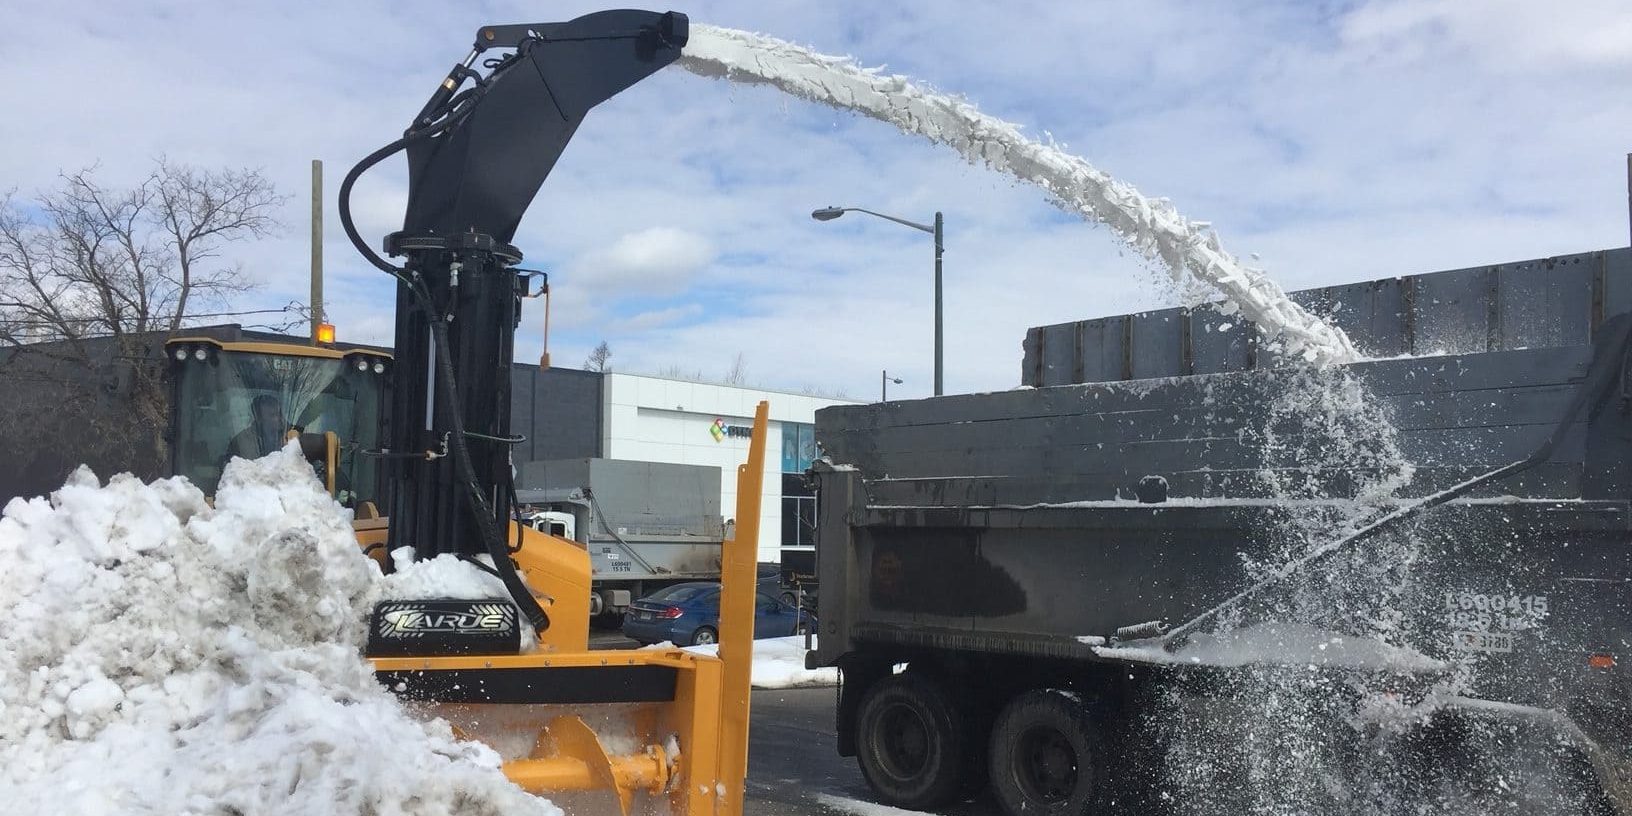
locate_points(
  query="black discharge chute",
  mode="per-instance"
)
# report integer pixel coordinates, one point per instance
(477, 156)
(482, 174)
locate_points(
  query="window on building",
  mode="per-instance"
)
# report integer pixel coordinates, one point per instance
(798, 500)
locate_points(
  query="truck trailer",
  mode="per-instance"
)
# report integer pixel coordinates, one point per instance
(646, 524)
(1029, 590)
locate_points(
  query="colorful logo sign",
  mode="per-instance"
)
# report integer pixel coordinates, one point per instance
(719, 430)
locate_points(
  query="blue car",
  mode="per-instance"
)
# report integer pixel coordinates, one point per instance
(689, 614)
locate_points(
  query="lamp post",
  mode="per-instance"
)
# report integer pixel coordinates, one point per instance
(830, 213)
(884, 380)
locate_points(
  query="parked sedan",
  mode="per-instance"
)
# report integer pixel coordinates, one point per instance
(689, 614)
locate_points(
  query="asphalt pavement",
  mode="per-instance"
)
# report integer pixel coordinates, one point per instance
(795, 770)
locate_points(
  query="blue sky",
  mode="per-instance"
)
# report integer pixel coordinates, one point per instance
(1337, 141)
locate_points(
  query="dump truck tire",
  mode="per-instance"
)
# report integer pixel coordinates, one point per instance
(910, 742)
(1045, 755)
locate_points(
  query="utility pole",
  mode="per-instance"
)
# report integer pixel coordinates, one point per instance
(1629, 197)
(940, 347)
(317, 246)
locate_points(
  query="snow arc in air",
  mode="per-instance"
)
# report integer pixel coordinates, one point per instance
(1151, 226)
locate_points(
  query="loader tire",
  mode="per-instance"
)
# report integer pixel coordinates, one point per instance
(1046, 756)
(911, 742)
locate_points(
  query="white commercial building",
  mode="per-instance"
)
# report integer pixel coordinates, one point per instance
(657, 419)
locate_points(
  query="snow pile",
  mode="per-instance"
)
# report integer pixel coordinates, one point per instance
(1189, 250)
(162, 656)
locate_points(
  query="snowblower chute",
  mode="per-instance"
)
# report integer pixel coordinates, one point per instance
(649, 730)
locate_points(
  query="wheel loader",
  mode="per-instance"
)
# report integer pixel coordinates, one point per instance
(418, 444)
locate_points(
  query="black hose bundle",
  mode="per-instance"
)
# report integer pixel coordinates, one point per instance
(493, 540)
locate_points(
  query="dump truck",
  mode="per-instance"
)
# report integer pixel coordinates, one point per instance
(1154, 505)
(646, 525)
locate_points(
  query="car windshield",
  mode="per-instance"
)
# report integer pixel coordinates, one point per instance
(243, 404)
(682, 593)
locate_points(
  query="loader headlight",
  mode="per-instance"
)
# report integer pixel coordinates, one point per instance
(379, 367)
(181, 354)
(200, 354)
(362, 364)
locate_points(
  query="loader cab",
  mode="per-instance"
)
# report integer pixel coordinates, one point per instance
(245, 398)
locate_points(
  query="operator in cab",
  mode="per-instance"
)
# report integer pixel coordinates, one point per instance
(266, 431)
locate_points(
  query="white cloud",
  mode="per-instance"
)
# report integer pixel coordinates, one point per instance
(655, 260)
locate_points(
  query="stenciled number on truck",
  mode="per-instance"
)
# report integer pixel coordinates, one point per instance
(1481, 622)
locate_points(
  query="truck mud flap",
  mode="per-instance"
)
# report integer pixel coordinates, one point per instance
(1540, 752)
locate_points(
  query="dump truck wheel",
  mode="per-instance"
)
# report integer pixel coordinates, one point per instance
(1045, 755)
(704, 635)
(910, 742)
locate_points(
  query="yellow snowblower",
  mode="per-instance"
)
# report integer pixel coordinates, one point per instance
(647, 731)
(418, 444)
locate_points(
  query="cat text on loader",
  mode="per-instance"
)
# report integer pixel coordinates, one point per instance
(609, 731)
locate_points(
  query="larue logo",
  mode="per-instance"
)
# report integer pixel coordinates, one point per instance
(408, 620)
(719, 430)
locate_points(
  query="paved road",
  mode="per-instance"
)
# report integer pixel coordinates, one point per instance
(792, 762)
(791, 758)
(610, 639)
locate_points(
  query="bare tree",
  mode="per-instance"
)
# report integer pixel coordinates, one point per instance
(598, 359)
(89, 271)
(738, 374)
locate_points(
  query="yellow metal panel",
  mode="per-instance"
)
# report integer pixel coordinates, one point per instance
(709, 714)
(738, 577)
(675, 658)
(331, 458)
(371, 535)
(290, 349)
(558, 571)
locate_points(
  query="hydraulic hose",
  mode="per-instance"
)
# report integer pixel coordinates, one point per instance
(492, 539)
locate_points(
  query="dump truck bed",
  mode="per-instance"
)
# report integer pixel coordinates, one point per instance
(1008, 522)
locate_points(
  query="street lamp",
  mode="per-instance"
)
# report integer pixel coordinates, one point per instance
(884, 380)
(830, 213)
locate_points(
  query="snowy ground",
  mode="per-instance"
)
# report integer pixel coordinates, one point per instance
(778, 663)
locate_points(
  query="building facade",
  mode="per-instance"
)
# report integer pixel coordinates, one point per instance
(656, 419)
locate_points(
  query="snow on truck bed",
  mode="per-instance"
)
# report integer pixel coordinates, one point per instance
(162, 656)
